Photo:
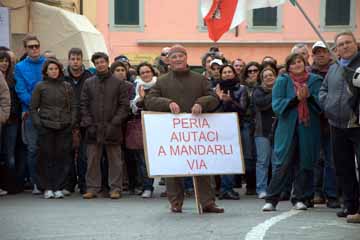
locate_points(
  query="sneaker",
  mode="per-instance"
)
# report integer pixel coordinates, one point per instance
(49, 194)
(262, 195)
(35, 190)
(268, 207)
(146, 194)
(355, 218)
(3, 192)
(66, 192)
(59, 194)
(300, 206)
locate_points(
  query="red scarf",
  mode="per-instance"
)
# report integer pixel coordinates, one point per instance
(299, 82)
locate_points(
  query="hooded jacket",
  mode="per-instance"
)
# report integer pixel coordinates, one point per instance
(27, 75)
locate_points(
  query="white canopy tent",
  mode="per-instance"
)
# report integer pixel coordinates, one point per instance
(60, 30)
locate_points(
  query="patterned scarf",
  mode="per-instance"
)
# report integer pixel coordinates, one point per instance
(299, 82)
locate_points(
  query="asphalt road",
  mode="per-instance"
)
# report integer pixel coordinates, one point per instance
(24, 216)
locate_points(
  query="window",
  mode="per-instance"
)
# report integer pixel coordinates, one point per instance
(126, 15)
(337, 14)
(265, 19)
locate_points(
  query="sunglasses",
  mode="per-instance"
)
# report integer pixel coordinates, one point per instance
(253, 71)
(164, 54)
(35, 46)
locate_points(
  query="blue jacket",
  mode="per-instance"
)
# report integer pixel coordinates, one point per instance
(27, 74)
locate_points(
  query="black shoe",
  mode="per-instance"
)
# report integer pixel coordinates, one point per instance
(343, 213)
(229, 196)
(333, 203)
(235, 193)
(250, 191)
(309, 203)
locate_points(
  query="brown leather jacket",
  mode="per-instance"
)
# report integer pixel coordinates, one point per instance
(104, 106)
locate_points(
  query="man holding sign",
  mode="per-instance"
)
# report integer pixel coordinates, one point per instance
(183, 91)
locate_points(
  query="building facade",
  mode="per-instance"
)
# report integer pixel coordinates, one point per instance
(140, 28)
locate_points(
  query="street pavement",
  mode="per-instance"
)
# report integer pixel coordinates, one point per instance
(28, 217)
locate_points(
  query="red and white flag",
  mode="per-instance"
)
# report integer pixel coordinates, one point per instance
(222, 15)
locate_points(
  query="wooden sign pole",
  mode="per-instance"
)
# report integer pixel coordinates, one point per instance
(197, 200)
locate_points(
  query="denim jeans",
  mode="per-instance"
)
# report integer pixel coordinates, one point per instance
(265, 154)
(31, 140)
(140, 158)
(8, 144)
(324, 172)
(227, 183)
(248, 146)
(188, 184)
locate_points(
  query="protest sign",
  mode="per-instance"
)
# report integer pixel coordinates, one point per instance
(192, 145)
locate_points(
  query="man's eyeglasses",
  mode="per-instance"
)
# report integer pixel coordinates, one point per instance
(35, 46)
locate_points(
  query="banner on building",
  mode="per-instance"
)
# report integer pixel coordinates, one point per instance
(5, 27)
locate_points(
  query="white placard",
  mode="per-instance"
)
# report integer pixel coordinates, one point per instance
(189, 145)
(5, 27)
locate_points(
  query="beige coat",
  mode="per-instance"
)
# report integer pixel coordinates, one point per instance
(4, 100)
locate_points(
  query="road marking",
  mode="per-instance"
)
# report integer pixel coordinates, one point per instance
(258, 232)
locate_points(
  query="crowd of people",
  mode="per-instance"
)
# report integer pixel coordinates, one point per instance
(71, 128)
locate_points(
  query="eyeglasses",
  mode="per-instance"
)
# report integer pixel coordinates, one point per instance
(252, 71)
(164, 54)
(35, 46)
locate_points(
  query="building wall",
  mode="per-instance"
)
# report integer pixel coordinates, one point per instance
(167, 22)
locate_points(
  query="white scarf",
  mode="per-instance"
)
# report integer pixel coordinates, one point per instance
(147, 85)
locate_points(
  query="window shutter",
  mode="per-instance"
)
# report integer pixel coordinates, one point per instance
(337, 12)
(265, 17)
(126, 12)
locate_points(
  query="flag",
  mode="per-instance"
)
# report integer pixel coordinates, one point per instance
(222, 15)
